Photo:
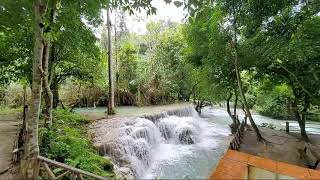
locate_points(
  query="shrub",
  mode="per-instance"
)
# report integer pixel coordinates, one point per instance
(273, 102)
(12, 95)
(67, 141)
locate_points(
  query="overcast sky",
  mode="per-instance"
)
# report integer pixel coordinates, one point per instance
(137, 22)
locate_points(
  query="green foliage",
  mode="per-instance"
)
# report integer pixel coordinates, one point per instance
(4, 110)
(287, 44)
(13, 95)
(314, 114)
(169, 71)
(151, 68)
(208, 51)
(274, 101)
(127, 68)
(67, 142)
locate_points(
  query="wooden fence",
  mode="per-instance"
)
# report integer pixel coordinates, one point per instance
(47, 167)
(236, 141)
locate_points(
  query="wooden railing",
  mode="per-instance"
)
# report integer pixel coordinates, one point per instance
(71, 172)
(236, 141)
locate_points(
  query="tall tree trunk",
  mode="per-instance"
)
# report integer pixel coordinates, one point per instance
(229, 111)
(235, 108)
(302, 124)
(116, 58)
(111, 88)
(24, 95)
(244, 100)
(235, 104)
(245, 114)
(47, 68)
(25, 107)
(29, 165)
(301, 119)
(237, 68)
(55, 92)
(48, 96)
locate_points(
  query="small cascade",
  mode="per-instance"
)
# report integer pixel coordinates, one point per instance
(131, 142)
(182, 112)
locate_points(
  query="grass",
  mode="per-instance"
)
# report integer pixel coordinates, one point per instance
(4, 110)
(67, 141)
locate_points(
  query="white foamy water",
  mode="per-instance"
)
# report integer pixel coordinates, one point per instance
(168, 146)
(172, 145)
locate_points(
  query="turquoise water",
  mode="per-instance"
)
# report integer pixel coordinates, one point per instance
(131, 110)
(176, 161)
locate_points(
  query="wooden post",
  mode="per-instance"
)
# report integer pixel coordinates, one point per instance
(287, 127)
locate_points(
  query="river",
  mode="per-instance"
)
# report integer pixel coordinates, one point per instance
(180, 145)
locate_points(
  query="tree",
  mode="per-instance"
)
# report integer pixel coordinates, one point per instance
(32, 148)
(234, 15)
(209, 50)
(41, 56)
(110, 71)
(278, 36)
(127, 76)
(121, 33)
(236, 5)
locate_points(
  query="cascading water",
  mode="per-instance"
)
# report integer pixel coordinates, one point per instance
(144, 147)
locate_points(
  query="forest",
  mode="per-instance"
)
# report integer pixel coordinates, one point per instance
(256, 56)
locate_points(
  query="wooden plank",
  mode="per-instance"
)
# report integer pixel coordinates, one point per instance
(62, 175)
(80, 177)
(72, 169)
(73, 176)
(51, 175)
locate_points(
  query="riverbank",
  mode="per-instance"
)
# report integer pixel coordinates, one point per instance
(280, 147)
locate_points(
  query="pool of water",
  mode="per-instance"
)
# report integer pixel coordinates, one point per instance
(125, 111)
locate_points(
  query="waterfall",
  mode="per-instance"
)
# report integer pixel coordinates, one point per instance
(131, 142)
(182, 112)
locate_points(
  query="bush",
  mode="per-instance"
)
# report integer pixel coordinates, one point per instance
(314, 114)
(273, 103)
(12, 95)
(67, 142)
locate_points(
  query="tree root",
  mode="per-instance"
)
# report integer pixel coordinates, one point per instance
(5, 170)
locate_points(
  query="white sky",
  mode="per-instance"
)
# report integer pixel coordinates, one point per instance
(137, 22)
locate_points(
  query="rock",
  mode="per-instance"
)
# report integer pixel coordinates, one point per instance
(185, 137)
(126, 173)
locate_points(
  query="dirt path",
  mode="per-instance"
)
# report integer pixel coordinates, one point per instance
(8, 129)
(282, 147)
